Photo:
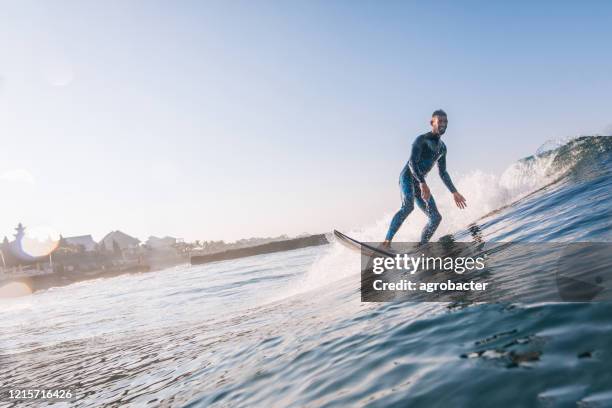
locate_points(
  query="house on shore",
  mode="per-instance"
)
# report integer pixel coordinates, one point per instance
(120, 240)
(83, 242)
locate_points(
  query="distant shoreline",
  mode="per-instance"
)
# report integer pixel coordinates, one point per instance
(271, 247)
(50, 280)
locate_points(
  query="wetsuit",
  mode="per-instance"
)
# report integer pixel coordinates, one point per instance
(426, 150)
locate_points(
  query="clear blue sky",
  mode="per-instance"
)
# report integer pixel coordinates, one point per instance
(230, 119)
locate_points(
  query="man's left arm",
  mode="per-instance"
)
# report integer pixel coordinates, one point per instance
(459, 200)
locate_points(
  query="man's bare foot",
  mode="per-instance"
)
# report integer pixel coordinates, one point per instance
(386, 243)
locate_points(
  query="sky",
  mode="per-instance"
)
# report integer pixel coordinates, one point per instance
(232, 119)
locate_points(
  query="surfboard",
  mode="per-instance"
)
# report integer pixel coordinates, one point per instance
(362, 247)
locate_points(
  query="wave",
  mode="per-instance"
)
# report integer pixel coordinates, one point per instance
(574, 155)
(486, 193)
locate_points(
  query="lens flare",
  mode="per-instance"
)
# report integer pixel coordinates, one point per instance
(14, 289)
(39, 241)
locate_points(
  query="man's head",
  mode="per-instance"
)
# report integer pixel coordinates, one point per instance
(439, 121)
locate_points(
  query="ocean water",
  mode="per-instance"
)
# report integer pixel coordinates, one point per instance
(289, 330)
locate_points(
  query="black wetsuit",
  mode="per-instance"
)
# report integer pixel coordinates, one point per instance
(427, 149)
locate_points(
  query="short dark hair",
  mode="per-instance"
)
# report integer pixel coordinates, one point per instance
(438, 112)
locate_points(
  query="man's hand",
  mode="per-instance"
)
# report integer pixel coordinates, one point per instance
(459, 200)
(425, 193)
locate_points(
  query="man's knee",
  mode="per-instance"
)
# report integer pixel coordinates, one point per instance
(435, 218)
(406, 209)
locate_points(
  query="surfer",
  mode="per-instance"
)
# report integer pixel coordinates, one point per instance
(427, 149)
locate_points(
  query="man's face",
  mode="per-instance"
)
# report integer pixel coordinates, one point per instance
(438, 124)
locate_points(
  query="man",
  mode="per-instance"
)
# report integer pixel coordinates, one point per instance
(426, 150)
